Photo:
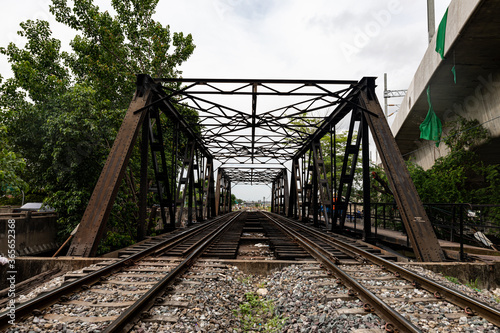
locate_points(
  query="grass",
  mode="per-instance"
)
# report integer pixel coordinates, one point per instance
(473, 284)
(258, 314)
(452, 279)
(246, 280)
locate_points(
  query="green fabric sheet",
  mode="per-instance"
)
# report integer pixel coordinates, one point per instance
(441, 35)
(431, 128)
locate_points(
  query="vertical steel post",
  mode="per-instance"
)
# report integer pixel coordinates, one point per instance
(286, 193)
(143, 191)
(431, 20)
(190, 189)
(315, 189)
(273, 197)
(367, 226)
(217, 192)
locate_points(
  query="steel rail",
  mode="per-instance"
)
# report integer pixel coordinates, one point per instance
(463, 301)
(51, 297)
(390, 315)
(127, 319)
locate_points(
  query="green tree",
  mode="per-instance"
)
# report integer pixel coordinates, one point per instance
(109, 50)
(11, 167)
(460, 176)
(64, 108)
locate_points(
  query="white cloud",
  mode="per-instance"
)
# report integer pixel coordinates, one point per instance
(277, 39)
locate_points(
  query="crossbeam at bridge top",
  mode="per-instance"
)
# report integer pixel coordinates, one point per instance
(257, 122)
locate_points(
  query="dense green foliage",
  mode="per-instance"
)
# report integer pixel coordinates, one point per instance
(62, 110)
(11, 166)
(460, 176)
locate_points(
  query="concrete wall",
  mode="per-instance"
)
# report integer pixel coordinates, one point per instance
(458, 13)
(483, 105)
(471, 37)
(35, 233)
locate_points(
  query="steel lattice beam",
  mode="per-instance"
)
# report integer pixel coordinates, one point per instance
(258, 125)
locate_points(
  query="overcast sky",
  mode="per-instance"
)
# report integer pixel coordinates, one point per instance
(293, 39)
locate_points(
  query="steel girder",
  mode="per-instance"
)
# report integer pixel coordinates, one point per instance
(261, 138)
(279, 193)
(148, 101)
(222, 193)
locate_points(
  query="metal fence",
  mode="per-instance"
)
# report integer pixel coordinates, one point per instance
(477, 225)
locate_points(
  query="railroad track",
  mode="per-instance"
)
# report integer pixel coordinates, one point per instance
(377, 282)
(166, 284)
(191, 244)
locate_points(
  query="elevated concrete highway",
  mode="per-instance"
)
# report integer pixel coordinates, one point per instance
(472, 44)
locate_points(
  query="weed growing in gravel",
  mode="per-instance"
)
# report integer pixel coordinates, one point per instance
(452, 279)
(473, 284)
(246, 280)
(257, 314)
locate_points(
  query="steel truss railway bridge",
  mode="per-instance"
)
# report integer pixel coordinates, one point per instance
(228, 131)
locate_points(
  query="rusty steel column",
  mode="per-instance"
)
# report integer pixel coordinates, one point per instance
(208, 190)
(229, 199)
(294, 205)
(365, 157)
(218, 193)
(96, 214)
(286, 193)
(183, 186)
(273, 197)
(322, 181)
(141, 227)
(418, 226)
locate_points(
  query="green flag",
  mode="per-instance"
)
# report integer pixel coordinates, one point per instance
(441, 35)
(430, 128)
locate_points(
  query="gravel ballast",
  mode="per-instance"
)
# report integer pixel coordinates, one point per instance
(300, 298)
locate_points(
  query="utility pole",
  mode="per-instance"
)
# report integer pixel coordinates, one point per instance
(391, 94)
(385, 97)
(431, 20)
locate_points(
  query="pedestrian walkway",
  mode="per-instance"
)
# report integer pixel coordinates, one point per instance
(452, 249)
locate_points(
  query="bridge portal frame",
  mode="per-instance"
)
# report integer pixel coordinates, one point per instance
(285, 140)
